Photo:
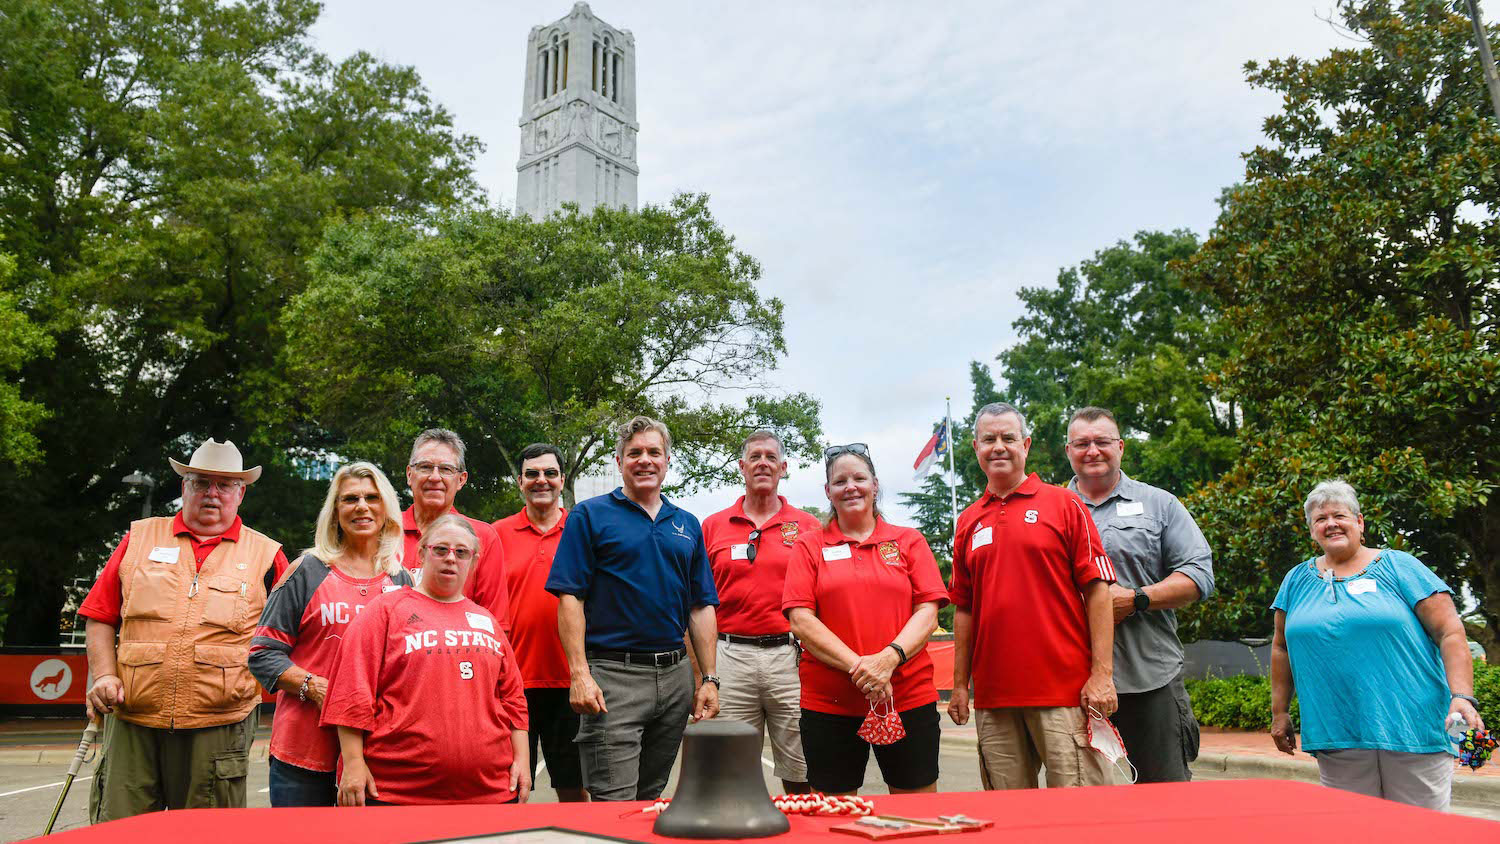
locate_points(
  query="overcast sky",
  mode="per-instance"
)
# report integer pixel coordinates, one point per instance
(900, 172)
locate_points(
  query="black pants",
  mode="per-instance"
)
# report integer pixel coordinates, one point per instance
(1160, 732)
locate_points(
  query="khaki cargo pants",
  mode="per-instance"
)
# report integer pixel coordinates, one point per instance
(144, 769)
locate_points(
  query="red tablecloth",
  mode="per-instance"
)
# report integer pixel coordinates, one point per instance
(1223, 812)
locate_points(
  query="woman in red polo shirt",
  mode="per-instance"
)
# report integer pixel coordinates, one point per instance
(862, 595)
(426, 693)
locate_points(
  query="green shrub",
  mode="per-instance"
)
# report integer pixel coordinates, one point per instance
(1487, 690)
(1244, 702)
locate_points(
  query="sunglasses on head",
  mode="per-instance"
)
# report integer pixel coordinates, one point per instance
(834, 451)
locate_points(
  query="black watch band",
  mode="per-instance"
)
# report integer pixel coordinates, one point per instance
(1473, 701)
(1142, 600)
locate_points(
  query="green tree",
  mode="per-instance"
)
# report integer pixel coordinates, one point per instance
(164, 170)
(21, 340)
(1122, 331)
(1356, 267)
(515, 330)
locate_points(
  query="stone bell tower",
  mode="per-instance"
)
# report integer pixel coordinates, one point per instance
(578, 126)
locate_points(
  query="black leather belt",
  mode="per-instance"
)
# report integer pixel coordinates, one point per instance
(770, 640)
(659, 660)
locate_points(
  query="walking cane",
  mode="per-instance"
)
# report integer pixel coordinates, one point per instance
(90, 734)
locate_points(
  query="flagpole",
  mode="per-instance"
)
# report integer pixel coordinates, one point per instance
(952, 477)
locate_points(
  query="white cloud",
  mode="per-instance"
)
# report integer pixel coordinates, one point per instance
(899, 169)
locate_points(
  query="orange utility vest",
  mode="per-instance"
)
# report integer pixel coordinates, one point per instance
(184, 632)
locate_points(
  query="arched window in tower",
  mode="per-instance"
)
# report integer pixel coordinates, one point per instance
(564, 83)
(606, 82)
(594, 69)
(614, 75)
(541, 73)
(552, 71)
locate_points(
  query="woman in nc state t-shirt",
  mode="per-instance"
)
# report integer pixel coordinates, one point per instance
(426, 694)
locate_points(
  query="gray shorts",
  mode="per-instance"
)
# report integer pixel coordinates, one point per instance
(627, 752)
(1418, 779)
(1160, 732)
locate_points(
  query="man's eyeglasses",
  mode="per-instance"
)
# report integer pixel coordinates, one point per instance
(441, 551)
(1100, 443)
(447, 470)
(220, 485)
(750, 549)
(533, 474)
(852, 448)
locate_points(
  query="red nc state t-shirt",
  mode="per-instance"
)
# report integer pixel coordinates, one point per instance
(533, 610)
(864, 592)
(750, 590)
(305, 619)
(436, 689)
(1019, 565)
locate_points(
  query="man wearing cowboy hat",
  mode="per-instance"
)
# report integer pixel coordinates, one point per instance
(183, 593)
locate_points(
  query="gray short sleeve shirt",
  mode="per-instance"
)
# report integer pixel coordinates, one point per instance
(1148, 535)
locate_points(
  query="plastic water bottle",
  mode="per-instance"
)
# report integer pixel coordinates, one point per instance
(1457, 727)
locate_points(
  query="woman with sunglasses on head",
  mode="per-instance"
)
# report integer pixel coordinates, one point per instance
(426, 693)
(355, 557)
(862, 595)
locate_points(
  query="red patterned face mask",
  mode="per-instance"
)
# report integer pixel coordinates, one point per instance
(882, 728)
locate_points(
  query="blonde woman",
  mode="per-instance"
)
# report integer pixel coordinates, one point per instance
(355, 557)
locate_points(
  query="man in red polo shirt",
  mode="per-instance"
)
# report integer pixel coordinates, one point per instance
(530, 542)
(749, 545)
(435, 473)
(1034, 625)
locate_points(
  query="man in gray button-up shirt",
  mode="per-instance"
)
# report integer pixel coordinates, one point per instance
(1163, 562)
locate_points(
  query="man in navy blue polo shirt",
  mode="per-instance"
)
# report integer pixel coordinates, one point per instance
(632, 576)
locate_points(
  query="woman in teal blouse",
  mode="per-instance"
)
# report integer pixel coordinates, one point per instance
(1371, 643)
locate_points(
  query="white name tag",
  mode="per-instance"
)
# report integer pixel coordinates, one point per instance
(836, 552)
(480, 622)
(390, 587)
(982, 537)
(739, 552)
(164, 555)
(1361, 586)
(1130, 508)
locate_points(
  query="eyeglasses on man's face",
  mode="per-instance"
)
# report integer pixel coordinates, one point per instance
(441, 551)
(549, 474)
(834, 451)
(1100, 443)
(222, 486)
(447, 470)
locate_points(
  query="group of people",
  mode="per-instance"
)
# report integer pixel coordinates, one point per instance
(422, 656)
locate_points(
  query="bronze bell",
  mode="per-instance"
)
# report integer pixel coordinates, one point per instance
(720, 791)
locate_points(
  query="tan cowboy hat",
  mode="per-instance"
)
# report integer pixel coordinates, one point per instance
(213, 458)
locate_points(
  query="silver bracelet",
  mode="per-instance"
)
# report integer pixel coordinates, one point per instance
(302, 692)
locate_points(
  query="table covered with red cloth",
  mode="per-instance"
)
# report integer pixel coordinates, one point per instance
(1222, 812)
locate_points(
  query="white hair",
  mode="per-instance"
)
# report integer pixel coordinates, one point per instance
(1336, 491)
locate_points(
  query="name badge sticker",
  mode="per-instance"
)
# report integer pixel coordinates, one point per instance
(739, 552)
(982, 537)
(164, 555)
(1363, 585)
(1130, 508)
(836, 552)
(480, 622)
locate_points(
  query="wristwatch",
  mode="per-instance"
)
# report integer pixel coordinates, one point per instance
(713, 678)
(1142, 600)
(1473, 701)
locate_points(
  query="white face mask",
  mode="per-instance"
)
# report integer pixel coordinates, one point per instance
(1105, 739)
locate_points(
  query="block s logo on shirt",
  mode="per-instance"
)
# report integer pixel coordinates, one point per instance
(466, 670)
(1030, 517)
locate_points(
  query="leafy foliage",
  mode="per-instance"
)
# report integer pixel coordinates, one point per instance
(1356, 268)
(515, 330)
(164, 171)
(1241, 702)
